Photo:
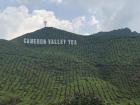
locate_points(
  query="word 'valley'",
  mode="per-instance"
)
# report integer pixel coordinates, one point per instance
(34, 41)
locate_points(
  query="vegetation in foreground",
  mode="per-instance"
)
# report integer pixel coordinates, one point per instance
(79, 99)
(105, 65)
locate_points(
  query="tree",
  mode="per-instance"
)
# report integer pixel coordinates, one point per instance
(79, 99)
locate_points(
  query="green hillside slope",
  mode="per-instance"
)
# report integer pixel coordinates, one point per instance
(105, 64)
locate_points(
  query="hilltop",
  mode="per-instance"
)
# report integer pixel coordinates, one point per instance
(105, 64)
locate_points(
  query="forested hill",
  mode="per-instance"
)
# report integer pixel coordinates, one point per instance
(54, 33)
(50, 33)
(50, 65)
(98, 47)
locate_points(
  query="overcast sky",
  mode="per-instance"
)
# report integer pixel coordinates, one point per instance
(80, 16)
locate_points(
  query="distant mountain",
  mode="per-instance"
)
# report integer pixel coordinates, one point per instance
(47, 66)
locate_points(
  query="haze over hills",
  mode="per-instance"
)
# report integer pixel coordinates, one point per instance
(59, 64)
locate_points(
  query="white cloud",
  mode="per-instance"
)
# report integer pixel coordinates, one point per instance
(78, 22)
(16, 21)
(96, 23)
(57, 1)
(26, 1)
(37, 1)
(102, 15)
(112, 14)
